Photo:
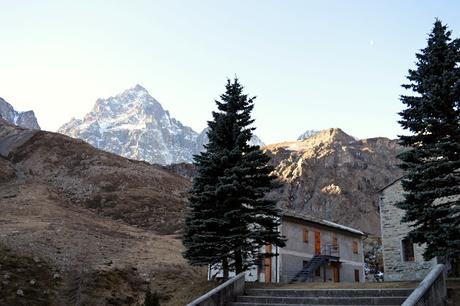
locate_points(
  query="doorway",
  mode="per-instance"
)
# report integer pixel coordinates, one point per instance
(268, 264)
(317, 243)
(336, 272)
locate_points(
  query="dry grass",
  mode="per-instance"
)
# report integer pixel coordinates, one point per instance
(191, 291)
(33, 276)
(108, 224)
(89, 249)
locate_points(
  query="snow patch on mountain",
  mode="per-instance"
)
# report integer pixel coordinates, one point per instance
(23, 119)
(133, 124)
(307, 134)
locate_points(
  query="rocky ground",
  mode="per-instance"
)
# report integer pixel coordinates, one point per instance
(79, 226)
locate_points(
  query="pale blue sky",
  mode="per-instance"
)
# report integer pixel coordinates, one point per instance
(312, 64)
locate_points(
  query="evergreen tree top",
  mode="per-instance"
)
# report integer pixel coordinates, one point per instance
(434, 108)
(432, 160)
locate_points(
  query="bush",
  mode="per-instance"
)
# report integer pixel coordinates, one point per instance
(151, 299)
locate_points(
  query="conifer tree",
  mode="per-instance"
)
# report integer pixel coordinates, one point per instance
(432, 160)
(229, 219)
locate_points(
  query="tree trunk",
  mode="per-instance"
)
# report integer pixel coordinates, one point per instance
(225, 268)
(238, 262)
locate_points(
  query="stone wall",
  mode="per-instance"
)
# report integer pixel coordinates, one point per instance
(393, 232)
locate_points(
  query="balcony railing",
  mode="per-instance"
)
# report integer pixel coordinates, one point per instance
(330, 250)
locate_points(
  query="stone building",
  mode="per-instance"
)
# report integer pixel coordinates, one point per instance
(316, 250)
(403, 260)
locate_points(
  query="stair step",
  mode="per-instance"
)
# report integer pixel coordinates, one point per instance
(322, 300)
(400, 292)
(264, 304)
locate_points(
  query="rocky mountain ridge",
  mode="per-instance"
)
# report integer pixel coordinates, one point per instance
(334, 176)
(23, 119)
(134, 125)
(330, 175)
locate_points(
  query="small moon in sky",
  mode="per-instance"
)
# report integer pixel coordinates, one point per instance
(371, 42)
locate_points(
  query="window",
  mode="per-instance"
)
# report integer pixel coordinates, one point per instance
(318, 271)
(305, 263)
(357, 276)
(355, 247)
(305, 235)
(334, 241)
(407, 250)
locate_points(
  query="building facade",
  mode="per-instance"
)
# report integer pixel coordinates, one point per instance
(403, 260)
(316, 250)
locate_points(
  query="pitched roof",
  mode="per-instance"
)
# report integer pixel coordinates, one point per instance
(383, 188)
(322, 222)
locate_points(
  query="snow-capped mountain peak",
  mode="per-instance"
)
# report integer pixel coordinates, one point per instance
(135, 125)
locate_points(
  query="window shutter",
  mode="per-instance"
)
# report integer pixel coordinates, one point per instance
(355, 247)
(305, 235)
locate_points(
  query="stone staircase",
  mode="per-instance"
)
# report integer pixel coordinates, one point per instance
(316, 297)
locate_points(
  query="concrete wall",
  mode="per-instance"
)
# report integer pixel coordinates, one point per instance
(393, 232)
(432, 291)
(223, 294)
(296, 250)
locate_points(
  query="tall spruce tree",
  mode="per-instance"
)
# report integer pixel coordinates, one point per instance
(229, 218)
(432, 161)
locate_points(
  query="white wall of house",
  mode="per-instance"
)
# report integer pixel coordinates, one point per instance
(291, 258)
(296, 251)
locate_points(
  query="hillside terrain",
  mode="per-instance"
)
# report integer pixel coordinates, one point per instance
(333, 176)
(91, 227)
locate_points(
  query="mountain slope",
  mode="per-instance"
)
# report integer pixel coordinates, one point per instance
(22, 119)
(332, 175)
(105, 225)
(134, 125)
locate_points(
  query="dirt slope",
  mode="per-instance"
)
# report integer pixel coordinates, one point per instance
(103, 226)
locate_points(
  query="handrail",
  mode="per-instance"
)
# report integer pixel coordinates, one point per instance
(424, 288)
(330, 250)
(218, 296)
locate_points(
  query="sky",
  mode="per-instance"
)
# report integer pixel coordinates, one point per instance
(311, 64)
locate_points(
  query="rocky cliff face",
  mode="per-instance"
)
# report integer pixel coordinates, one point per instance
(333, 176)
(23, 119)
(134, 125)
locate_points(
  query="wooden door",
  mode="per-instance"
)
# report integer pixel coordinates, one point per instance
(336, 272)
(357, 276)
(317, 243)
(268, 264)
